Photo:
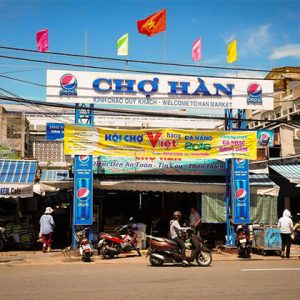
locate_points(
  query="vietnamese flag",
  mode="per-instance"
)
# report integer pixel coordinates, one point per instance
(153, 24)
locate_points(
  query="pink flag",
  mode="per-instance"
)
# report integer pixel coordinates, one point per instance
(196, 50)
(42, 40)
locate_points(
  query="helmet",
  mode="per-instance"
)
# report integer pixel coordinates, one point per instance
(239, 227)
(176, 214)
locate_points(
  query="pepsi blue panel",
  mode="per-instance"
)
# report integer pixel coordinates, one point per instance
(240, 191)
(55, 131)
(83, 190)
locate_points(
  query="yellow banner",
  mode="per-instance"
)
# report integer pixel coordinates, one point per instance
(163, 143)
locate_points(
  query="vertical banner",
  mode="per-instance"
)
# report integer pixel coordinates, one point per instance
(240, 191)
(83, 190)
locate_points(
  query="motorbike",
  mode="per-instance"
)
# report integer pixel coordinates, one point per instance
(3, 238)
(243, 242)
(296, 231)
(85, 248)
(162, 250)
(123, 242)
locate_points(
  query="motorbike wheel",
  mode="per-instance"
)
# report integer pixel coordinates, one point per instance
(106, 254)
(155, 261)
(204, 259)
(86, 257)
(2, 244)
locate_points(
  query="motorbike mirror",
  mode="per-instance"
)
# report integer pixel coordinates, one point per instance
(131, 219)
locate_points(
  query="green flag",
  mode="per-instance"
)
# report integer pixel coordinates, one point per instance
(122, 45)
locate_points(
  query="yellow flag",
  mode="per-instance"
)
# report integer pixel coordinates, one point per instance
(232, 52)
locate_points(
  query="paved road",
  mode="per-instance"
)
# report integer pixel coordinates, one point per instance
(132, 278)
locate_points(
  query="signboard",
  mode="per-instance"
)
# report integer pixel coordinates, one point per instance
(240, 191)
(7, 152)
(160, 143)
(14, 190)
(133, 91)
(83, 190)
(157, 166)
(55, 131)
(265, 138)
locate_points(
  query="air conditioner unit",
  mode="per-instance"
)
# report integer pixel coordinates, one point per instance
(297, 134)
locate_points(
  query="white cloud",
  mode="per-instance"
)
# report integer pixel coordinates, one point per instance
(291, 50)
(243, 74)
(258, 38)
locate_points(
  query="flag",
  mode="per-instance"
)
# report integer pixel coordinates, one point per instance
(153, 24)
(232, 52)
(122, 44)
(196, 50)
(42, 40)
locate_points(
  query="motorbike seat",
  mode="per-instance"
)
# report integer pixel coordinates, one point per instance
(163, 240)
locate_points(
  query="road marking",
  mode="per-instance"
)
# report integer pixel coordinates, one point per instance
(274, 269)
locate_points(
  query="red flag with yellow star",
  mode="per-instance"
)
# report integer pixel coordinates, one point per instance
(153, 24)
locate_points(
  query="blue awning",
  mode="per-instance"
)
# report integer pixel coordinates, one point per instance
(291, 171)
(55, 175)
(17, 178)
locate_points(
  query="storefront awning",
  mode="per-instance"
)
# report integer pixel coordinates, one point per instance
(17, 178)
(54, 180)
(259, 184)
(291, 171)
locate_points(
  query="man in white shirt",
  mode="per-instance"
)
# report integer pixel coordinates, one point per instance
(194, 218)
(285, 224)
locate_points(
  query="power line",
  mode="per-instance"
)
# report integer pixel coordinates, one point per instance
(144, 113)
(141, 61)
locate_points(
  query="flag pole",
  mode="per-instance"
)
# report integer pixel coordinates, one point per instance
(165, 47)
(85, 48)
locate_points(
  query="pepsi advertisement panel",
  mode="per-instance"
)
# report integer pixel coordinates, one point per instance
(55, 131)
(265, 138)
(83, 190)
(240, 191)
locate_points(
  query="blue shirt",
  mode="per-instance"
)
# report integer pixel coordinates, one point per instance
(47, 224)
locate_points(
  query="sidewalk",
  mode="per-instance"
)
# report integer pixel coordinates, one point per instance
(57, 256)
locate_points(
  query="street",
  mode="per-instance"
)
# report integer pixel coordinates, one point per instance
(134, 278)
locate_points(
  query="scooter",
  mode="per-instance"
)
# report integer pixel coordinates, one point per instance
(243, 242)
(124, 242)
(296, 231)
(3, 238)
(85, 248)
(163, 250)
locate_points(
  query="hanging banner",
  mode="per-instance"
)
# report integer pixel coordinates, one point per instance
(240, 191)
(83, 190)
(265, 138)
(192, 144)
(156, 92)
(55, 131)
(157, 166)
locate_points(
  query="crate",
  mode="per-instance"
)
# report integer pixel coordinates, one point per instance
(266, 239)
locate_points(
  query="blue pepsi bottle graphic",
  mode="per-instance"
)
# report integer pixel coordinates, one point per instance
(83, 199)
(241, 201)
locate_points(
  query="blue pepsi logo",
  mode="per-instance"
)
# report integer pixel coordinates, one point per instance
(68, 82)
(83, 159)
(240, 161)
(240, 194)
(254, 93)
(83, 193)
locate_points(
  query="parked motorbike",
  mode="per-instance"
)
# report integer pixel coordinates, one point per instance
(243, 242)
(85, 248)
(296, 230)
(3, 238)
(163, 250)
(124, 242)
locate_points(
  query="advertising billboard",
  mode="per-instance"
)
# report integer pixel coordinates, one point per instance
(152, 91)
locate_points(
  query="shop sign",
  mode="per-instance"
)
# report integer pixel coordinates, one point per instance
(240, 191)
(265, 138)
(54, 131)
(157, 166)
(156, 91)
(7, 152)
(16, 190)
(160, 143)
(83, 190)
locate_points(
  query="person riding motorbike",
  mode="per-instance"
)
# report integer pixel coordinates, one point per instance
(175, 232)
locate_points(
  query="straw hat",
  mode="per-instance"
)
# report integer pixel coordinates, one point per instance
(49, 210)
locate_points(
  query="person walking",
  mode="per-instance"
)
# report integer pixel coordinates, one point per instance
(46, 229)
(285, 224)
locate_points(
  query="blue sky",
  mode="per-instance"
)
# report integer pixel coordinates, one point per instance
(267, 32)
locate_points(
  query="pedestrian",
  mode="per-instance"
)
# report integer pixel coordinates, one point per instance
(285, 224)
(175, 232)
(46, 229)
(194, 218)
